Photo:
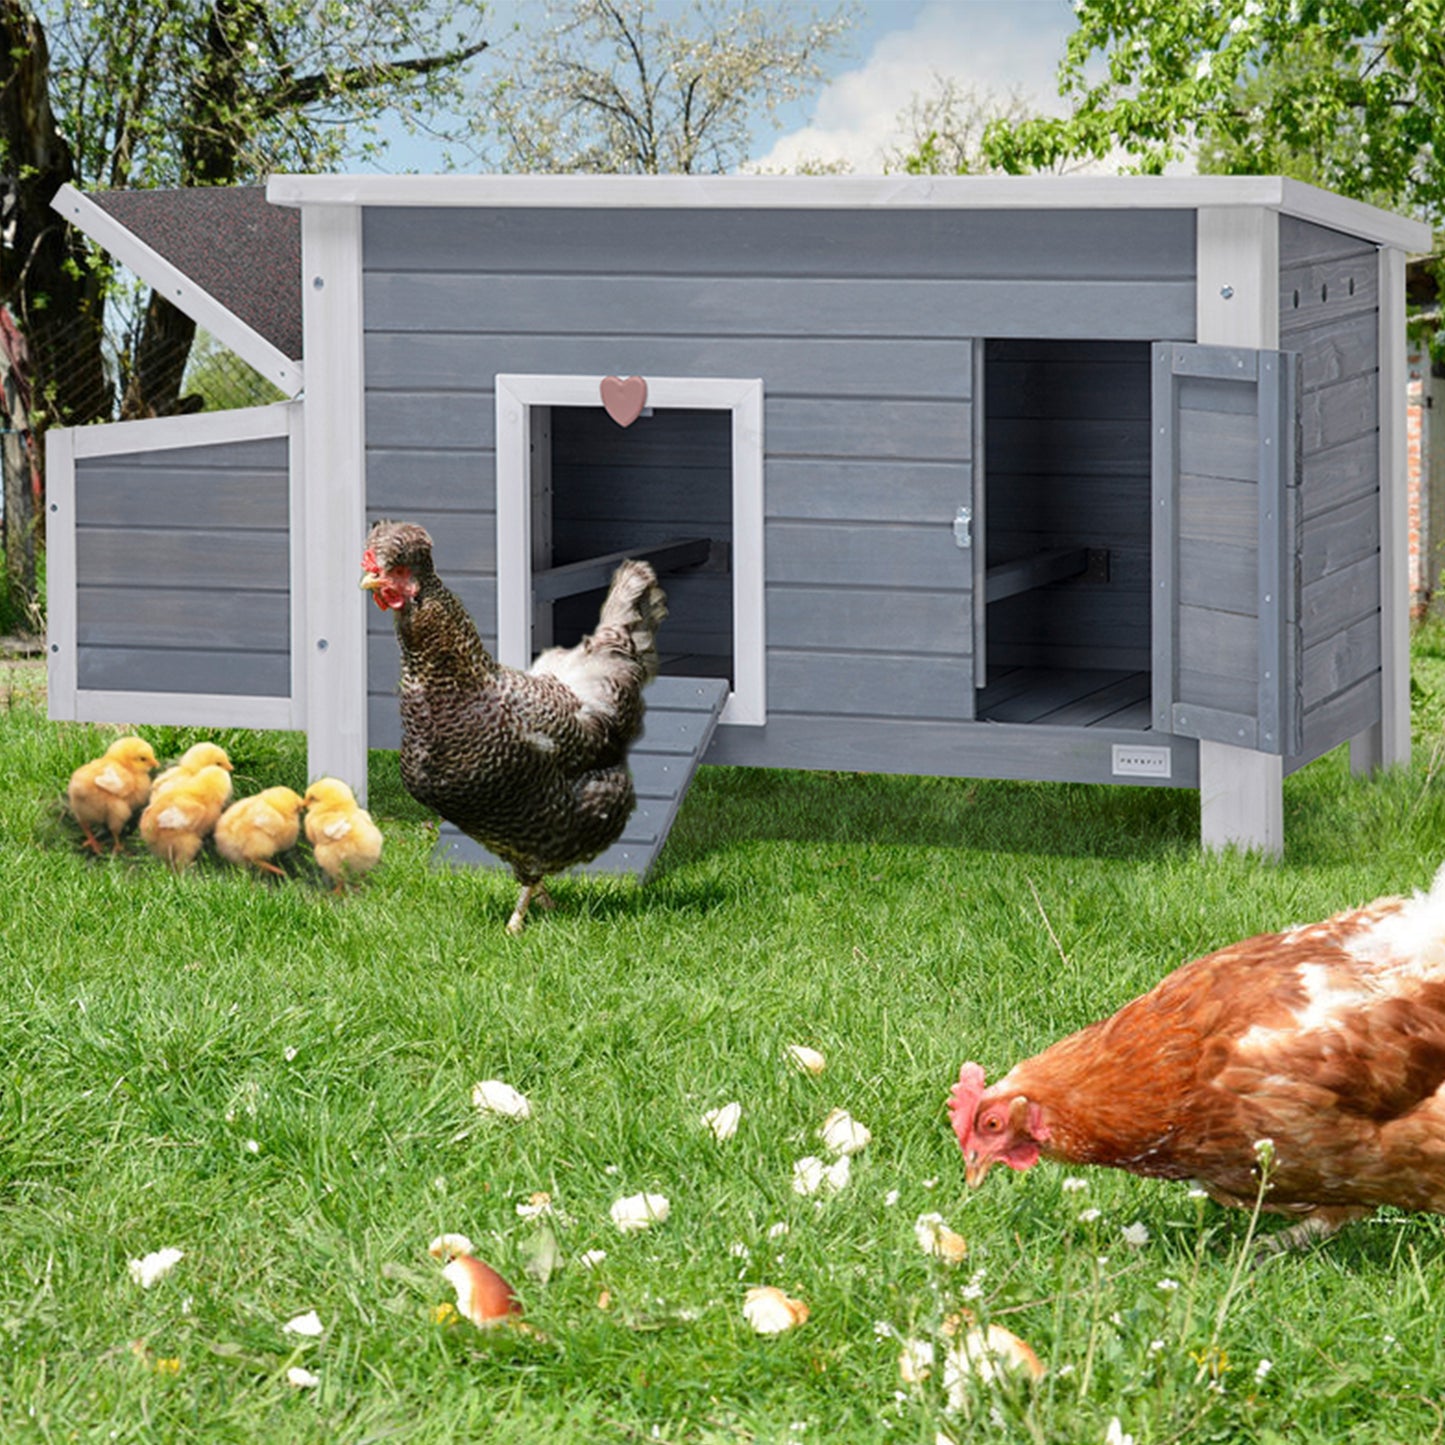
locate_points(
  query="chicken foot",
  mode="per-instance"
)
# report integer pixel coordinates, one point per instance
(531, 893)
(1318, 1224)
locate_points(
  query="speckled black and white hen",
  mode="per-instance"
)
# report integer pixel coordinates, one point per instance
(533, 764)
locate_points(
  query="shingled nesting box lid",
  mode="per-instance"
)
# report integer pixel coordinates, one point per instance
(236, 246)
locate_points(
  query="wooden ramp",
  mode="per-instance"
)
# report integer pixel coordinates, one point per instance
(682, 713)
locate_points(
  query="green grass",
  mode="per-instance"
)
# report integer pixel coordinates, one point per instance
(278, 1083)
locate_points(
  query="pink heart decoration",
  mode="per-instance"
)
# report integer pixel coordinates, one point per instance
(623, 400)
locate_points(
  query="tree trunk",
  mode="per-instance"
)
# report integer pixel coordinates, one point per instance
(44, 270)
(161, 352)
(210, 149)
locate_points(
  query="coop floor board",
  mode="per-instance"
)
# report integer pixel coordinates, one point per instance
(1074, 697)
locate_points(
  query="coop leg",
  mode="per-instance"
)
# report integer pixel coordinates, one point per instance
(1367, 751)
(1241, 799)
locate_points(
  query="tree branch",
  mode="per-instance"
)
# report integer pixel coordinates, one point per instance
(306, 90)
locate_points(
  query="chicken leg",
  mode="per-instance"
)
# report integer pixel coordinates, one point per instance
(1316, 1225)
(531, 893)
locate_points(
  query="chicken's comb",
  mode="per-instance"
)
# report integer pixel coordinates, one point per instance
(963, 1101)
(369, 562)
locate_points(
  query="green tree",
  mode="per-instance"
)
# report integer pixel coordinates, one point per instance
(132, 93)
(606, 86)
(943, 128)
(141, 93)
(1350, 93)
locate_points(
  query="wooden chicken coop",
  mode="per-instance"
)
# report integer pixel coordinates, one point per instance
(1088, 479)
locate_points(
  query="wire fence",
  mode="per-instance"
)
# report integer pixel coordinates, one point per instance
(213, 378)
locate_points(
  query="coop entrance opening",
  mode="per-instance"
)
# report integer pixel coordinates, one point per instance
(1066, 455)
(660, 489)
(680, 485)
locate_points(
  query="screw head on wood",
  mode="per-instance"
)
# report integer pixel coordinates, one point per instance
(1227, 292)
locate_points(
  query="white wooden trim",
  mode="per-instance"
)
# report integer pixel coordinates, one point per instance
(1241, 792)
(333, 463)
(1237, 278)
(169, 433)
(514, 514)
(184, 709)
(517, 393)
(60, 574)
(298, 560)
(182, 290)
(1394, 741)
(858, 192)
(748, 701)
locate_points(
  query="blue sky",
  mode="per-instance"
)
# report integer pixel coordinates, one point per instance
(897, 48)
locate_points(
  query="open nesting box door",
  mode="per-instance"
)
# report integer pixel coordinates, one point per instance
(1227, 630)
(674, 477)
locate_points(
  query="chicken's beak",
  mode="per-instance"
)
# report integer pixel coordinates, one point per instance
(373, 582)
(974, 1169)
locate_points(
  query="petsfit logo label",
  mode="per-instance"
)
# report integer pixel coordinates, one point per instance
(1131, 761)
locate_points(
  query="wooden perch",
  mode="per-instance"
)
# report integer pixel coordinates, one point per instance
(1036, 570)
(594, 572)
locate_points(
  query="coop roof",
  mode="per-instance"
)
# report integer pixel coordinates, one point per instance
(746, 192)
(224, 255)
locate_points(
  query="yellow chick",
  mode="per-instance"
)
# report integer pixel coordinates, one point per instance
(179, 817)
(346, 842)
(108, 790)
(256, 829)
(201, 755)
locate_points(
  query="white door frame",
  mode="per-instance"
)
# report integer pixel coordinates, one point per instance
(517, 394)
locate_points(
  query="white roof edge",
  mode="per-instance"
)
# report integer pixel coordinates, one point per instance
(858, 192)
(180, 289)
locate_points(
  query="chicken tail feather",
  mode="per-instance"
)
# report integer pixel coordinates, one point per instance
(634, 610)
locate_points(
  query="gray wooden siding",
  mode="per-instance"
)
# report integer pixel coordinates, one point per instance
(859, 326)
(1329, 298)
(183, 557)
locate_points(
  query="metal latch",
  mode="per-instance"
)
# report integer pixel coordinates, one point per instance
(963, 527)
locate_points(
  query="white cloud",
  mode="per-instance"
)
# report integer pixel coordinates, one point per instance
(995, 45)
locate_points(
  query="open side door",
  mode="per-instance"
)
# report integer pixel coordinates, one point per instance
(1226, 586)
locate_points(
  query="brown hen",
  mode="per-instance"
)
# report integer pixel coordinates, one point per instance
(1327, 1040)
(533, 765)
